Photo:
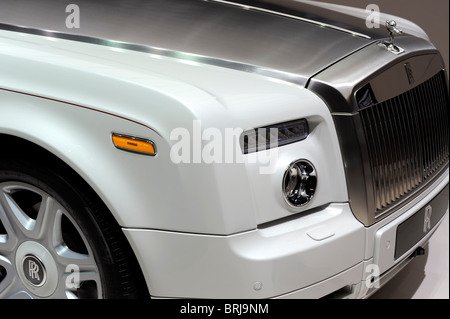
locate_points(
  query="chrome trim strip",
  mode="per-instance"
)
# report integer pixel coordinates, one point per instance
(321, 24)
(183, 56)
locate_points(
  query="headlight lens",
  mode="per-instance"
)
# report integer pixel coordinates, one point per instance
(299, 183)
(271, 136)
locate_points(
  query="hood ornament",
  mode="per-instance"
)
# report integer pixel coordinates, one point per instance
(391, 26)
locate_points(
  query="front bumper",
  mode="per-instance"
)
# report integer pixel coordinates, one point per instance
(309, 256)
(262, 263)
(396, 240)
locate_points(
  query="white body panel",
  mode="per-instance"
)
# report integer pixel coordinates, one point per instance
(147, 100)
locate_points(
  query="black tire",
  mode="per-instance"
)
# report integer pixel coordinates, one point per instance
(60, 216)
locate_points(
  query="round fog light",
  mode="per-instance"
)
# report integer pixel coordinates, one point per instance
(299, 183)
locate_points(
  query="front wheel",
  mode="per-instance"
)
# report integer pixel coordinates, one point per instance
(57, 241)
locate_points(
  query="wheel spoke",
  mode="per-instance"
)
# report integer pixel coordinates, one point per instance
(9, 222)
(66, 258)
(10, 285)
(78, 281)
(19, 226)
(34, 222)
(46, 220)
(7, 269)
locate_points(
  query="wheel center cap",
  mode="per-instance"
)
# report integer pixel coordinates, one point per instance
(37, 269)
(34, 270)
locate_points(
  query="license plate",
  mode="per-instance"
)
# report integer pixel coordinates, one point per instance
(412, 230)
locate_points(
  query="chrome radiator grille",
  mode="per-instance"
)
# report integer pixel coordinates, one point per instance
(407, 140)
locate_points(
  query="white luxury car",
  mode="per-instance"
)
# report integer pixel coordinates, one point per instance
(215, 149)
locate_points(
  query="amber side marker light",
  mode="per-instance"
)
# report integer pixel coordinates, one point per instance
(134, 144)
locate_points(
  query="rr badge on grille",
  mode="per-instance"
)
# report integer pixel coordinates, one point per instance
(409, 73)
(427, 219)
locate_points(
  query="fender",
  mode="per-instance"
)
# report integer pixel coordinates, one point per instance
(74, 120)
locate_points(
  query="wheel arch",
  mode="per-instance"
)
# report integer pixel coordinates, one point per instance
(20, 149)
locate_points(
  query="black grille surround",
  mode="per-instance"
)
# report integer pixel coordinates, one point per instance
(407, 141)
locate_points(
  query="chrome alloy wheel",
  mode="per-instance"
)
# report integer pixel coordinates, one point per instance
(43, 251)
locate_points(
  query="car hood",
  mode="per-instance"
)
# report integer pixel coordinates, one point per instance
(289, 40)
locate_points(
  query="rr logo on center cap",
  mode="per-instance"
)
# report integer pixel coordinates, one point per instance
(34, 270)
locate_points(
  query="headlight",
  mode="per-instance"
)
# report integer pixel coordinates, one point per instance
(275, 135)
(299, 183)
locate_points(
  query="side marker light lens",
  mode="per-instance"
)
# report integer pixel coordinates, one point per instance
(134, 144)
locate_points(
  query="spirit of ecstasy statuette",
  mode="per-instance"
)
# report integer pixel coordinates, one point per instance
(391, 26)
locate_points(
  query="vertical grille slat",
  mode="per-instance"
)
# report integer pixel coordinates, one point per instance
(423, 125)
(436, 128)
(444, 127)
(396, 159)
(417, 137)
(428, 102)
(387, 154)
(403, 156)
(407, 141)
(377, 173)
(408, 145)
(428, 125)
